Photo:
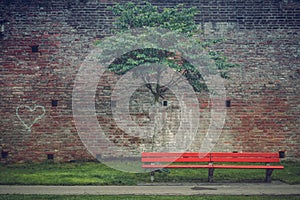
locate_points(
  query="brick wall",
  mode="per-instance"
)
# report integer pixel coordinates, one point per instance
(261, 36)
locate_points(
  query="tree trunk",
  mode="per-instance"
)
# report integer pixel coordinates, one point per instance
(156, 98)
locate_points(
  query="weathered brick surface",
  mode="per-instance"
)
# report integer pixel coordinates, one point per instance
(265, 100)
(261, 36)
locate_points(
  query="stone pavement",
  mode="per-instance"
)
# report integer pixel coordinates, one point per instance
(276, 188)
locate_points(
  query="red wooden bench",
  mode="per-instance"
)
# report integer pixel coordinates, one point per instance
(215, 160)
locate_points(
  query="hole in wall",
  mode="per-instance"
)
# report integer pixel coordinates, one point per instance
(165, 103)
(4, 154)
(281, 154)
(54, 103)
(34, 48)
(50, 156)
(228, 103)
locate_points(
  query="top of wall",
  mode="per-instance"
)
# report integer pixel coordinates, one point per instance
(94, 15)
(251, 14)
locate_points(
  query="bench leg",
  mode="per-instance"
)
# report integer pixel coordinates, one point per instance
(268, 175)
(210, 174)
(152, 176)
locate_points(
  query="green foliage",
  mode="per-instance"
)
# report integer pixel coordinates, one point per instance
(221, 63)
(136, 58)
(135, 15)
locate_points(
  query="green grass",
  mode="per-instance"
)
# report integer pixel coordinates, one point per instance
(131, 197)
(93, 173)
(85, 173)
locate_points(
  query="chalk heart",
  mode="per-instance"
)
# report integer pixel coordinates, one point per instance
(29, 116)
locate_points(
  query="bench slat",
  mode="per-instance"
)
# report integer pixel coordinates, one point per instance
(215, 166)
(174, 154)
(175, 166)
(245, 154)
(247, 167)
(209, 157)
(190, 159)
(245, 159)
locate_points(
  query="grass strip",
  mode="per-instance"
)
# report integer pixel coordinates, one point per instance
(94, 173)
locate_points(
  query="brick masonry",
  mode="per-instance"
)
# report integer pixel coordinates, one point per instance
(261, 36)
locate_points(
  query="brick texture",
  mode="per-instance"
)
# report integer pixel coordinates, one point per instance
(261, 36)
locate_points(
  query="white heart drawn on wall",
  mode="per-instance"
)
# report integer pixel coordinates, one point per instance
(37, 113)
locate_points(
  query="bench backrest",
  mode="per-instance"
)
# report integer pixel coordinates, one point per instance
(210, 157)
(175, 157)
(245, 157)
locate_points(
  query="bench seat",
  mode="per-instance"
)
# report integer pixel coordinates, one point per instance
(158, 166)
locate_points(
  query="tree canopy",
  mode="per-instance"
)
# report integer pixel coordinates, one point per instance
(177, 19)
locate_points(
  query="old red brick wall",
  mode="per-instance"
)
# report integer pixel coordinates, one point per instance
(261, 36)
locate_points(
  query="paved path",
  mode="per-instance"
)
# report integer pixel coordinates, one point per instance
(186, 189)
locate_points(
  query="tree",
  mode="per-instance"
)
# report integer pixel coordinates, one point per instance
(123, 54)
(178, 19)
